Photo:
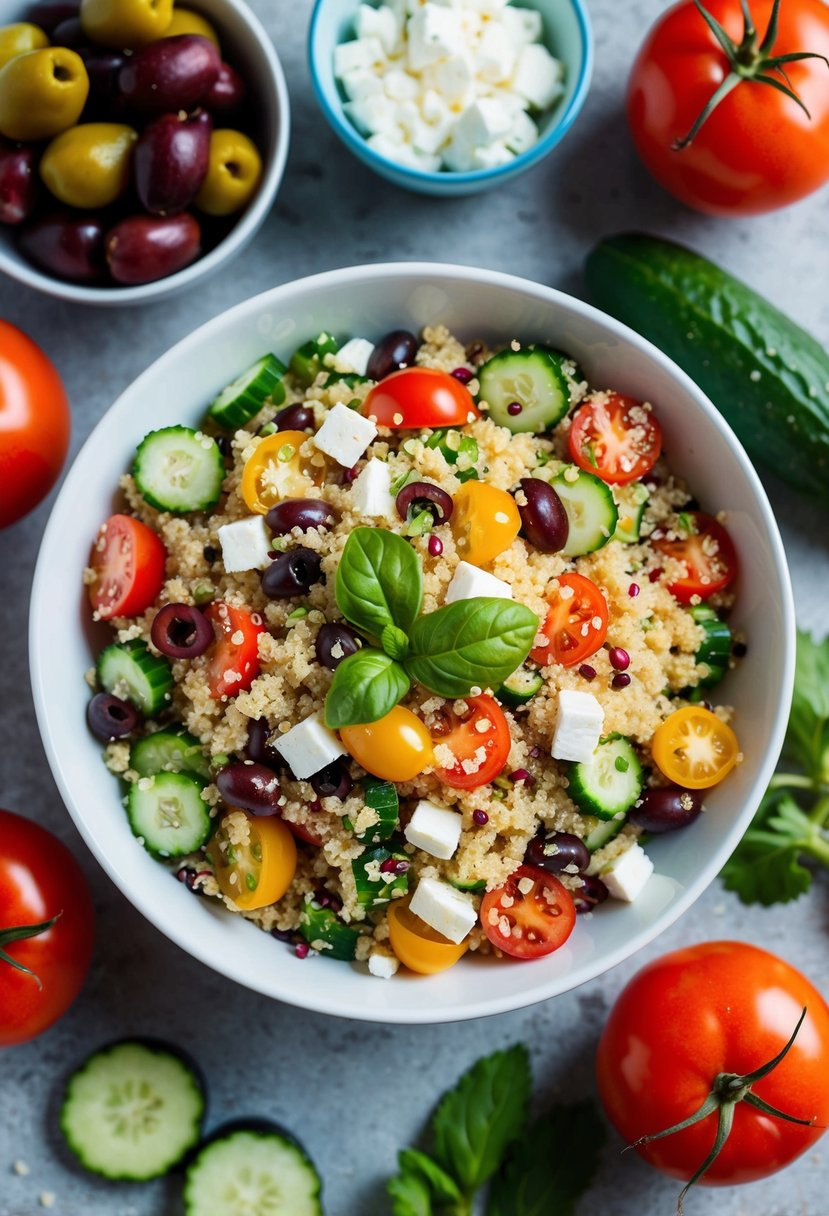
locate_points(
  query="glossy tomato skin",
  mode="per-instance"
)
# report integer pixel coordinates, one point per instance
(40, 878)
(482, 726)
(420, 396)
(758, 151)
(232, 666)
(540, 919)
(128, 558)
(34, 424)
(719, 1007)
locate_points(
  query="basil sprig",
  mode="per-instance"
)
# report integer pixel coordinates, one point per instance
(468, 644)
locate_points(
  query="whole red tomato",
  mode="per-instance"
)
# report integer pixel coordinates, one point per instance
(34, 424)
(689, 1022)
(40, 879)
(758, 150)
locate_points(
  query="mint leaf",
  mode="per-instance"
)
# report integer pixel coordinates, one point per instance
(476, 1121)
(807, 739)
(379, 581)
(551, 1166)
(366, 686)
(765, 867)
(440, 1184)
(471, 643)
(410, 1195)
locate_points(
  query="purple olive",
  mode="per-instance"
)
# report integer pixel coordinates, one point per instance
(333, 781)
(543, 517)
(227, 93)
(591, 892)
(335, 643)
(18, 183)
(181, 631)
(102, 67)
(301, 513)
(295, 418)
(69, 245)
(69, 33)
(171, 160)
(144, 248)
(291, 574)
(110, 718)
(250, 786)
(170, 74)
(667, 808)
(424, 494)
(395, 350)
(555, 851)
(258, 748)
(49, 16)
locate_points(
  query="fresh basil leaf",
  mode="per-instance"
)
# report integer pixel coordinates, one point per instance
(476, 1121)
(441, 1185)
(807, 739)
(379, 581)
(552, 1166)
(765, 867)
(394, 642)
(410, 1195)
(366, 686)
(471, 643)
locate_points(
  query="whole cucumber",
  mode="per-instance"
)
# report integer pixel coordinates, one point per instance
(766, 375)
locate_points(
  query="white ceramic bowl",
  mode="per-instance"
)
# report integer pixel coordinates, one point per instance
(247, 46)
(367, 301)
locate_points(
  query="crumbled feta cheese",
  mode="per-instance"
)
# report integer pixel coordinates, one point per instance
(345, 435)
(400, 86)
(469, 581)
(361, 83)
(383, 965)
(354, 356)
(538, 76)
(245, 544)
(434, 829)
(403, 153)
(523, 133)
(445, 909)
(371, 491)
(495, 55)
(578, 726)
(523, 24)
(308, 747)
(361, 54)
(626, 875)
(372, 115)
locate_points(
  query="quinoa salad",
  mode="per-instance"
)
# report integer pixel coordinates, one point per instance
(416, 645)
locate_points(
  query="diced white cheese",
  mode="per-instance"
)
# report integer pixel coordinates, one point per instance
(469, 581)
(345, 435)
(434, 829)
(373, 115)
(487, 8)
(354, 356)
(495, 54)
(447, 910)
(361, 84)
(578, 726)
(523, 133)
(308, 746)
(434, 33)
(458, 155)
(626, 875)
(384, 966)
(453, 79)
(381, 23)
(433, 108)
(361, 54)
(403, 153)
(483, 123)
(400, 86)
(538, 76)
(245, 544)
(371, 491)
(414, 6)
(490, 156)
(524, 24)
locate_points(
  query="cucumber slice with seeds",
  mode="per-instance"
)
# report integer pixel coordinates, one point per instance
(631, 501)
(179, 470)
(520, 687)
(168, 814)
(532, 378)
(609, 784)
(591, 510)
(173, 750)
(252, 1173)
(244, 398)
(129, 671)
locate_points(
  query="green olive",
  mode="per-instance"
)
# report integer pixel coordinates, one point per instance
(19, 38)
(89, 165)
(233, 173)
(185, 21)
(42, 93)
(125, 24)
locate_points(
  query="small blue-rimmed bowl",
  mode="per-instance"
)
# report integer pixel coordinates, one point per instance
(567, 35)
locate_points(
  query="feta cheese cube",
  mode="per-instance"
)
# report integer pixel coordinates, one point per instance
(484, 122)
(434, 33)
(487, 8)
(245, 544)
(452, 79)
(469, 581)
(361, 54)
(626, 875)
(381, 23)
(371, 491)
(384, 966)
(434, 829)
(345, 435)
(538, 76)
(361, 84)
(402, 152)
(491, 155)
(354, 356)
(523, 133)
(496, 53)
(400, 86)
(308, 746)
(447, 910)
(373, 115)
(458, 155)
(524, 24)
(578, 726)
(414, 6)
(433, 108)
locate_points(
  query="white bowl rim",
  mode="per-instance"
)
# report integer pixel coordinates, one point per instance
(227, 248)
(43, 583)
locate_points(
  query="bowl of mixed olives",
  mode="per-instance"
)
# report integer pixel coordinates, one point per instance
(142, 143)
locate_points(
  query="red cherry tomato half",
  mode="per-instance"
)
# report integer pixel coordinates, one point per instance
(128, 559)
(233, 660)
(704, 547)
(478, 738)
(615, 437)
(531, 915)
(420, 396)
(576, 624)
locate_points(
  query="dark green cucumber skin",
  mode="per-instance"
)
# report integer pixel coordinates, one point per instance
(719, 331)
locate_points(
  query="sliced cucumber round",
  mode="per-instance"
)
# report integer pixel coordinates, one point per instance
(533, 379)
(715, 648)
(631, 501)
(609, 784)
(307, 360)
(591, 510)
(132, 1111)
(168, 813)
(252, 1172)
(179, 470)
(244, 398)
(604, 831)
(129, 671)
(520, 687)
(173, 750)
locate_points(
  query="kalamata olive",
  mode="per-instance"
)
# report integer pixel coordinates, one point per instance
(301, 513)
(66, 244)
(143, 248)
(591, 892)
(18, 183)
(171, 74)
(663, 810)
(110, 718)
(291, 574)
(294, 418)
(49, 16)
(102, 68)
(335, 643)
(543, 517)
(69, 33)
(421, 494)
(555, 851)
(181, 631)
(253, 787)
(333, 781)
(170, 161)
(258, 748)
(395, 350)
(227, 93)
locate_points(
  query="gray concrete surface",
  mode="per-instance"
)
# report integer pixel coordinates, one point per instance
(313, 1072)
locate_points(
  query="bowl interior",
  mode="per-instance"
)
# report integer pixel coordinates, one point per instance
(367, 302)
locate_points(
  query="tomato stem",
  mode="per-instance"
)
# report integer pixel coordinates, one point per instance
(21, 933)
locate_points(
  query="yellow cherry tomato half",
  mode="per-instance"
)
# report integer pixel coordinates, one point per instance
(276, 470)
(418, 946)
(694, 748)
(258, 873)
(395, 748)
(485, 522)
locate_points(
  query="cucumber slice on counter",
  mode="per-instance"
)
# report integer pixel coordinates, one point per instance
(534, 379)
(252, 1172)
(307, 361)
(173, 750)
(168, 814)
(591, 510)
(609, 784)
(244, 398)
(520, 687)
(129, 671)
(715, 648)
(631, 502)
(322, 927)
(179, 470)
